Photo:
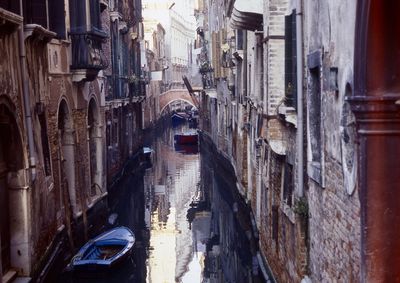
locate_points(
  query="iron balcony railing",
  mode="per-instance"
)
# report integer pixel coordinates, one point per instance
(137, 88)
(123, 87)
(86, 50)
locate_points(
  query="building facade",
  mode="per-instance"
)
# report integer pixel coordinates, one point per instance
(64, 89)
(155, 54)
(289, 98)
(52, 104)
(126, 84)
(178, 21)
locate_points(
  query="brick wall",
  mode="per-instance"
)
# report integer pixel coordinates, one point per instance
(334, 229)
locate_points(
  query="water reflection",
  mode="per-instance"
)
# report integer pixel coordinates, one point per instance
(171, 184)
(189, 223)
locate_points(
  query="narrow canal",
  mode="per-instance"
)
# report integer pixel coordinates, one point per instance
(190, 224)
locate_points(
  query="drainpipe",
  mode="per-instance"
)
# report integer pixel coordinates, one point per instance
(244, 66)
(26, 98)
(300, 131)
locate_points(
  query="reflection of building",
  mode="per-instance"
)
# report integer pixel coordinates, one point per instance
(233, 244)
(175, 178)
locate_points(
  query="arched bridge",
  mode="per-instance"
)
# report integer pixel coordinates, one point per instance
(173, 95)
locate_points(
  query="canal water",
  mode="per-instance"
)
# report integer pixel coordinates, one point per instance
(190, 224)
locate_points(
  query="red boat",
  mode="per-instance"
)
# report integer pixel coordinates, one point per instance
(187, 138)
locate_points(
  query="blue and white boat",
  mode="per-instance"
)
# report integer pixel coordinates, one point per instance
(105, 251)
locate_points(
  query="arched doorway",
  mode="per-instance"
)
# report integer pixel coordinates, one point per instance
(376, 105)
(95, 150)
(11, 162)
(67, 155)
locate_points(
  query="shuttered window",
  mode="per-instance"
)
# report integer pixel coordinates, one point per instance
(290, 61)
(214, 53)
(218, 54)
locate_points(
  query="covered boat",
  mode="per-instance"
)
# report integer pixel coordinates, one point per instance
(105, 251)
(187, 138)
(179, 118)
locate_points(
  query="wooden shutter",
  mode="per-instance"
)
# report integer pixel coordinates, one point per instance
(290, 60)
(214, 54)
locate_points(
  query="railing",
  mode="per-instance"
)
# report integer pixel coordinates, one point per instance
(137, 88)
(122, 87)
(87, 52)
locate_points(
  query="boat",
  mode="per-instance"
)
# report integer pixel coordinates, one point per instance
(187, 138)
(106, 251)
(178, 118)
(187, 148)
(146, 158)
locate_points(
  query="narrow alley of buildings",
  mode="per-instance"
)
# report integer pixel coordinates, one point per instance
(293, 107)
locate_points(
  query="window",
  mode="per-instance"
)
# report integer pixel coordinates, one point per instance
(239, 39)
(45, 144)
(95, 21)
(288, 184)
(10, 5)
(275, 223)
(35, 12)
(315, 154)
(77, 16)
(57, 17)
(290, 61)
(315, 113)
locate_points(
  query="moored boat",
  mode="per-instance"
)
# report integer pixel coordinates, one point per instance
(179, 118)
(105, 251)
(187, 148)
(187, 138)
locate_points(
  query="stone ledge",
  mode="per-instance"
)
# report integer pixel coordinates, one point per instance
(9, 21)
(37, 31)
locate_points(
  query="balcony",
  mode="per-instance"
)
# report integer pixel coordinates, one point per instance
(87, 38)
(137, 90)
(124, 87)
(11, 6)
(9, 21)
(87, 56)
(247, 15)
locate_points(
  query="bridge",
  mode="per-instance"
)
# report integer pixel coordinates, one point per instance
(172, 95)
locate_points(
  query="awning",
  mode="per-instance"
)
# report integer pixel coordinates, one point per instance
(247, 15)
